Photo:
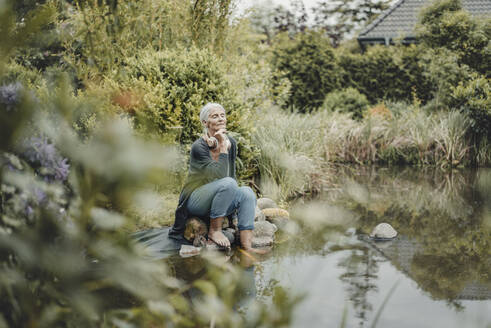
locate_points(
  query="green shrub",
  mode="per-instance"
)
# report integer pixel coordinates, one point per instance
(308, 62)
(445, 25)
(474, 99)
(164, 91)
(348, 100)
(376, 74)
(442, 70)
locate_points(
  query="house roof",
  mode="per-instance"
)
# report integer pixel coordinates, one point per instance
(400, 19)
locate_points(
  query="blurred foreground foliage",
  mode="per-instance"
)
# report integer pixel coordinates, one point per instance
(75, 162)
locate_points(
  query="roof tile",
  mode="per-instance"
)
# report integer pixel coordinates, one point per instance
(400, 19)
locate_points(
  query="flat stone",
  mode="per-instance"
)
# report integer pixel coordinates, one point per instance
(188, 251)
(263, 203)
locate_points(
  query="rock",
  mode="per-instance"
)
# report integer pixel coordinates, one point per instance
(263, 234)
(264, 228)
(199, 241)
(275, 212)
(263, 203)
(213, 247)
(230, 234)
(262, 241)
(259, 215)
(280, 222)
(194, 229)
(188, 251)
(383, 231)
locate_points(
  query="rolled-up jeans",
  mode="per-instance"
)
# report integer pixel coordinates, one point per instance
(221, 198)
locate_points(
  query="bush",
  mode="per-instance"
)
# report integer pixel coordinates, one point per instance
(445, 25)
(442, 70)
(376, 74)
(164, 91)
(474, 99)
(348, 100)
(309, 63)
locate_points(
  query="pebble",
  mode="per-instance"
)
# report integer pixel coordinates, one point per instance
(383, 231)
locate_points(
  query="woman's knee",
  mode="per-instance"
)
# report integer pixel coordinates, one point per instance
(247, 192)
(228, 184)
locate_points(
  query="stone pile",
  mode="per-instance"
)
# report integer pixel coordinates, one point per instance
(269, 218)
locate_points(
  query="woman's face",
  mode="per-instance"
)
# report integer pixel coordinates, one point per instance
(216, 120)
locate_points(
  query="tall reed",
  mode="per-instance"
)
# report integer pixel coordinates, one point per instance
(297, 148)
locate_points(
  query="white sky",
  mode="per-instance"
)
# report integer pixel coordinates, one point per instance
(242, 5)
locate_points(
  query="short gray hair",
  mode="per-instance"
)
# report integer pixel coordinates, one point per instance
(205, 111)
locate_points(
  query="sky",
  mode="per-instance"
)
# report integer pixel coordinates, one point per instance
(242, 5)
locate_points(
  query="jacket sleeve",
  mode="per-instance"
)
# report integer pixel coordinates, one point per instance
(201, 161)
(234, 159)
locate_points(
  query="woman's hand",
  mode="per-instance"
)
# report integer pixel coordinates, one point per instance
(223, 141)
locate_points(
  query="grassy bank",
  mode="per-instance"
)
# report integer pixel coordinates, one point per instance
(297, 151)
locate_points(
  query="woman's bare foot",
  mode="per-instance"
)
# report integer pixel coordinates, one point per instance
(215, 233)
(219, 238)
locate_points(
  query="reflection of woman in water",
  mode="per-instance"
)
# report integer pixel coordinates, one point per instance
(211, 189)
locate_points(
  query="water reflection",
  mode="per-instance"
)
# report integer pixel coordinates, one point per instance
(443, 248)
(360, 277)
(441, 256)
(442, 219)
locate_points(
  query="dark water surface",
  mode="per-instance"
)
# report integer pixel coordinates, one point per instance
(436, 273)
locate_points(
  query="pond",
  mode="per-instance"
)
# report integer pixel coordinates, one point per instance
(436, 273)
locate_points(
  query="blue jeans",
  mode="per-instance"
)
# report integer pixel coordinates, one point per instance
(221, 198)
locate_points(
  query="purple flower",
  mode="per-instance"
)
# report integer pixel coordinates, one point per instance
(41, 152)
(10, 95)
(62, 168)
(40, 195)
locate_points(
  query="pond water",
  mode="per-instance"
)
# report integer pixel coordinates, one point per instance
(436, 273)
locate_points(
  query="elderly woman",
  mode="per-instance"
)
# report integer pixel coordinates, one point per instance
(211, 189)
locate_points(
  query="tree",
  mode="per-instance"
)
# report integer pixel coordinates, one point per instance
(341, 17)
(271, 20)
(445, 25)
(309, 63)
